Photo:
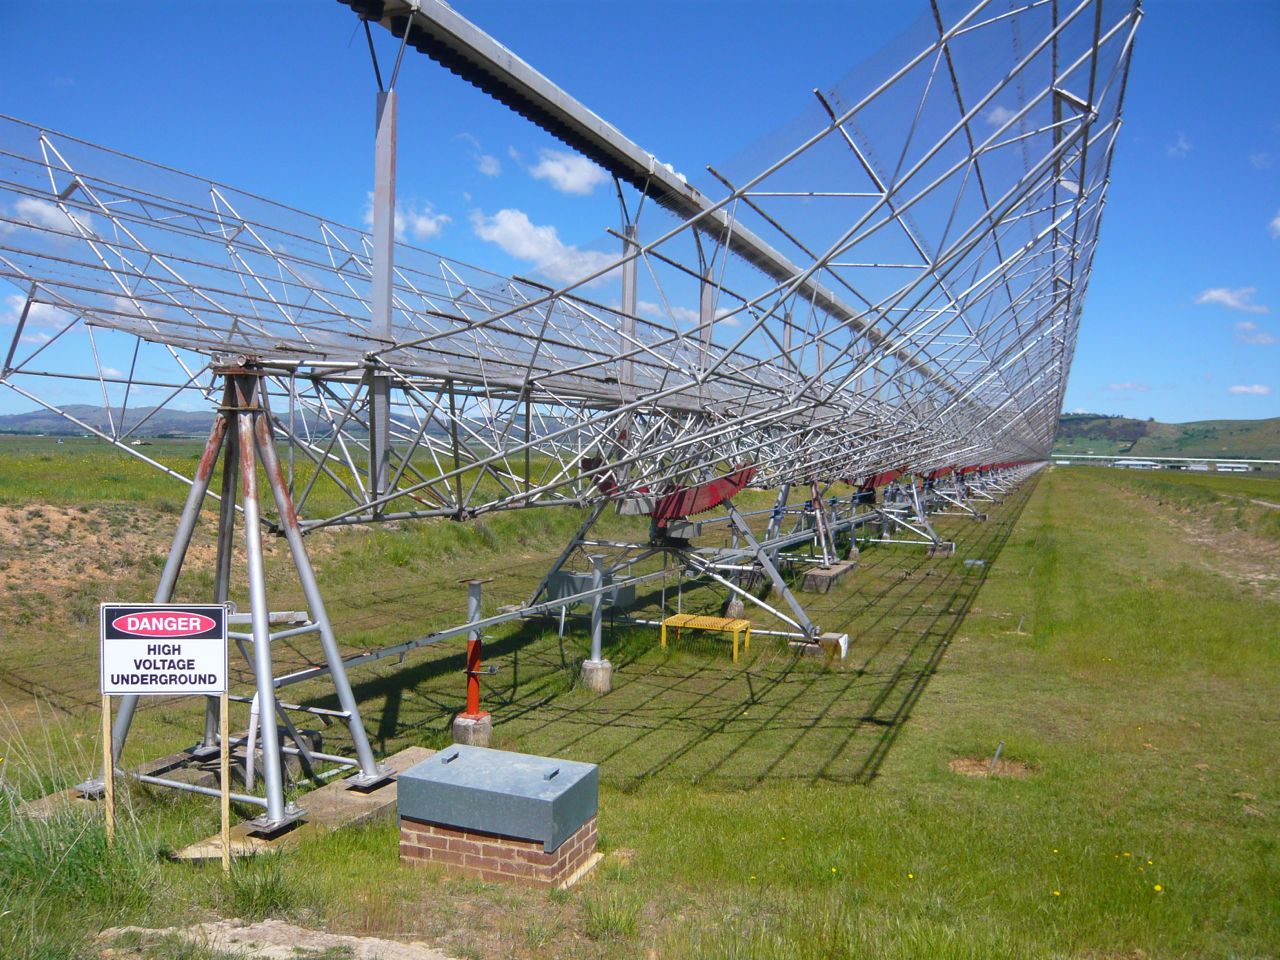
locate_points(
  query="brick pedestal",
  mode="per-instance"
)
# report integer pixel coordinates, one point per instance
(494, 857)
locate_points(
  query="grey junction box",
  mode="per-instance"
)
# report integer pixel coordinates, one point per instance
(495, 791)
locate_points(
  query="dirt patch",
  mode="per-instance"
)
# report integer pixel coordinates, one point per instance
(266, 940)
(1244, 557)
(981, 767)
(49, 547)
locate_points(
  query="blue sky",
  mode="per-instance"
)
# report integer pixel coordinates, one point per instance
(1182, 320)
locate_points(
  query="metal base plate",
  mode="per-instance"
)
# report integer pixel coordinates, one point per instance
(265, 826)
(366, 782)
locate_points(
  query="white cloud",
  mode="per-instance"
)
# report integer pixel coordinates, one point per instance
(411, 221)
(422, 224)
(728, 318)
(1237, 298)
(1079, 410)
(50, 216)
(486, 163)
(1254, 389)
(517, 235)
(112, 372)
(1260, 161)
(40, 315)
(682, 314)
(1128, 386)
(1260, 339)
(1247, 332)
(1180, 147)
(655, 311)
(1274, 226)
(568, 172)
(998, 116)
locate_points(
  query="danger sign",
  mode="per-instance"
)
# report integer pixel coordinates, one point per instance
(164, 649)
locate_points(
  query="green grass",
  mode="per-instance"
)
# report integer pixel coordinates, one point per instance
(782, 808)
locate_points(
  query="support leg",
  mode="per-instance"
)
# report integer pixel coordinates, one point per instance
(272, 773)
(370, 772)
(222, 573)
(597, 672)
(809, 628)
(475, 726)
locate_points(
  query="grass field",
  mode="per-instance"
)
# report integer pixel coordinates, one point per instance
(1122, 640)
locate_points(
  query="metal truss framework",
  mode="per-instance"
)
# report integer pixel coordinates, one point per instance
(899, 288)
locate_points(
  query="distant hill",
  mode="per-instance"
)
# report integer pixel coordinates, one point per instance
(1082, 433)
(165, 423)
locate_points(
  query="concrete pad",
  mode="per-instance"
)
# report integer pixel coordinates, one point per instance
(42, 808)
(946, 548)
(822, 579)
(332, 806)
(473, 731)
(828, 645)
(268, 940)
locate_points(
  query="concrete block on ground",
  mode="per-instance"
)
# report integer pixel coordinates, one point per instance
(946, 548)
(822, 579)
(597, 675)
(473, 731)
(828, 645)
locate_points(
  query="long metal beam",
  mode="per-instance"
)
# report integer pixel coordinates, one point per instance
(437, 30)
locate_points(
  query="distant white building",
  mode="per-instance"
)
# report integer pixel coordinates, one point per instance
(1234, 468)
(1137, 464)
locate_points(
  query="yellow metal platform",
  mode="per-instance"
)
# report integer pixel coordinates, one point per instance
(721, 624)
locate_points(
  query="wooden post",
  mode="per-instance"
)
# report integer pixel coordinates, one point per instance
(224, 777)
(108, 772)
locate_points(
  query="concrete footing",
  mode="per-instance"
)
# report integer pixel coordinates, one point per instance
(828, 645)
(945, 548)
(597, 675)
(473, 731)
(822, 579)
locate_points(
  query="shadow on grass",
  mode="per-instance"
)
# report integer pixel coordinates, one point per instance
(691, 714)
